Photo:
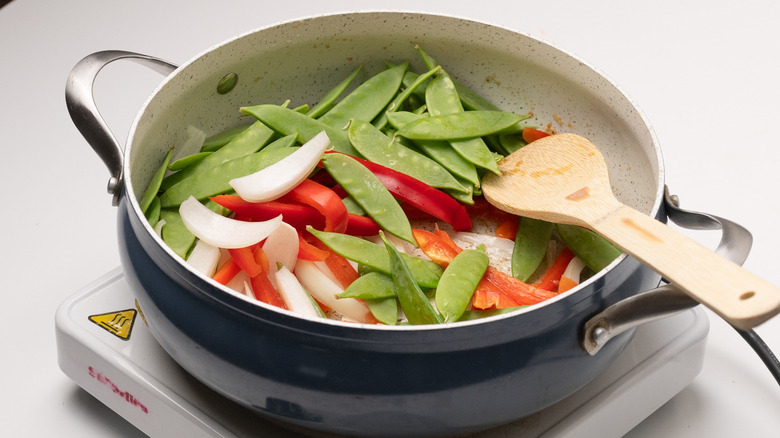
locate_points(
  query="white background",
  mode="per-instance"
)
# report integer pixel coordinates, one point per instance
(706, 74)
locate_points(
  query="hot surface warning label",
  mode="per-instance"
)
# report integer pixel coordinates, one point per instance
(119, 324)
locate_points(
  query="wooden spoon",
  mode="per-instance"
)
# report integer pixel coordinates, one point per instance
(563, 178)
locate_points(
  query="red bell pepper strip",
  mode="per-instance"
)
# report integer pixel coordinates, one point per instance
(552, 276)
(296, 215)
(442, 252)
(420, 195)
(342, 270)
(361, 225)
(245, 259)
(531, 134)
(261, 285)
(307, 251)
(508, 228)
(325, 200)
(226, 272)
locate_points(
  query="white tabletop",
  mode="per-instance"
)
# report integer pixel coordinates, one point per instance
(706, 74)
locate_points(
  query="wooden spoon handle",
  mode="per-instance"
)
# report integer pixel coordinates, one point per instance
(738, 296)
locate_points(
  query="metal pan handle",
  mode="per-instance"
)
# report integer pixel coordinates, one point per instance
(666, 300)
(85, 115)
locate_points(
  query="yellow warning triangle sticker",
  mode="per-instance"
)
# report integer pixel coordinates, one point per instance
(119, 324)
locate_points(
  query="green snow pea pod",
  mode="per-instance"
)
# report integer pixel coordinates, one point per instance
(281, 143)
(152, 214)
(531, 242)
(367, 100)
(188, 161)
(414, 303)
(369, 192)
(216, 180)
(385, 310)
(154, 184)
(595, 251)
(387, 151)
(247, 142)
(330, 97)
(439, 151)
(369, 286)
(459, 126)
(458, 283)
(399, 99)
(287, 122)
(469, 98)
(221, 138)
(442, 98)
(353, 207)
(425, 272)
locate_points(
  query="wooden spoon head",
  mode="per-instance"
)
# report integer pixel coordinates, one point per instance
(560, 178)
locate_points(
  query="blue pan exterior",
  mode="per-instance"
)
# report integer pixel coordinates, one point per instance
(366, 382)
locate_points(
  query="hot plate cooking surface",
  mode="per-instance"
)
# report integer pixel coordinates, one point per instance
(105, 347)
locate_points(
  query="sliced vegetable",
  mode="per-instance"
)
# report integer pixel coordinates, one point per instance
(595, 251)
(204, 258)
(458, 283)
(414, 303)
(154, 185)
(324, 200)
(221, 231)
(571, 277)
(552, 276)
(294, 295)
(324, 290)
(371, 285)
(367, 190)
(262, 286)
(363, 252)
(282, 176)
(531, 241)
(330, 97)
(281, 246)
(421, 196)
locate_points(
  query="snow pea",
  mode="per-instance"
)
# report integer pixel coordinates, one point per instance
(595, 251)
(330, 97)
(464, 125)
(396, 103)
(369, 192)
(387, 151)
(221, 138)
(283, 142)
(216, 180)
(416, 306)
(458, 282)
(441, 98)
(369, 286)
(385, 310)
(154, 184)
(425, 272)
(188, 161)
(439, 151)
(286, 122)
(367, 100)
(152, 214)
(247, 142)
(469, 98)
(531, 242)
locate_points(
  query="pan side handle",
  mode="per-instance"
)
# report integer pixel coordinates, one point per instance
(665, 300)
(83, 111)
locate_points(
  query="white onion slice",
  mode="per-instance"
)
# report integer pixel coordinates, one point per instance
(325, 290)
(223, 232)
(204, 258)
(279, 178)
(159, 226)
(571, 276)
(293, 294)
(281, 246)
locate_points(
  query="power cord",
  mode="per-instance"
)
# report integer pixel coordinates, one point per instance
(763, 351)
